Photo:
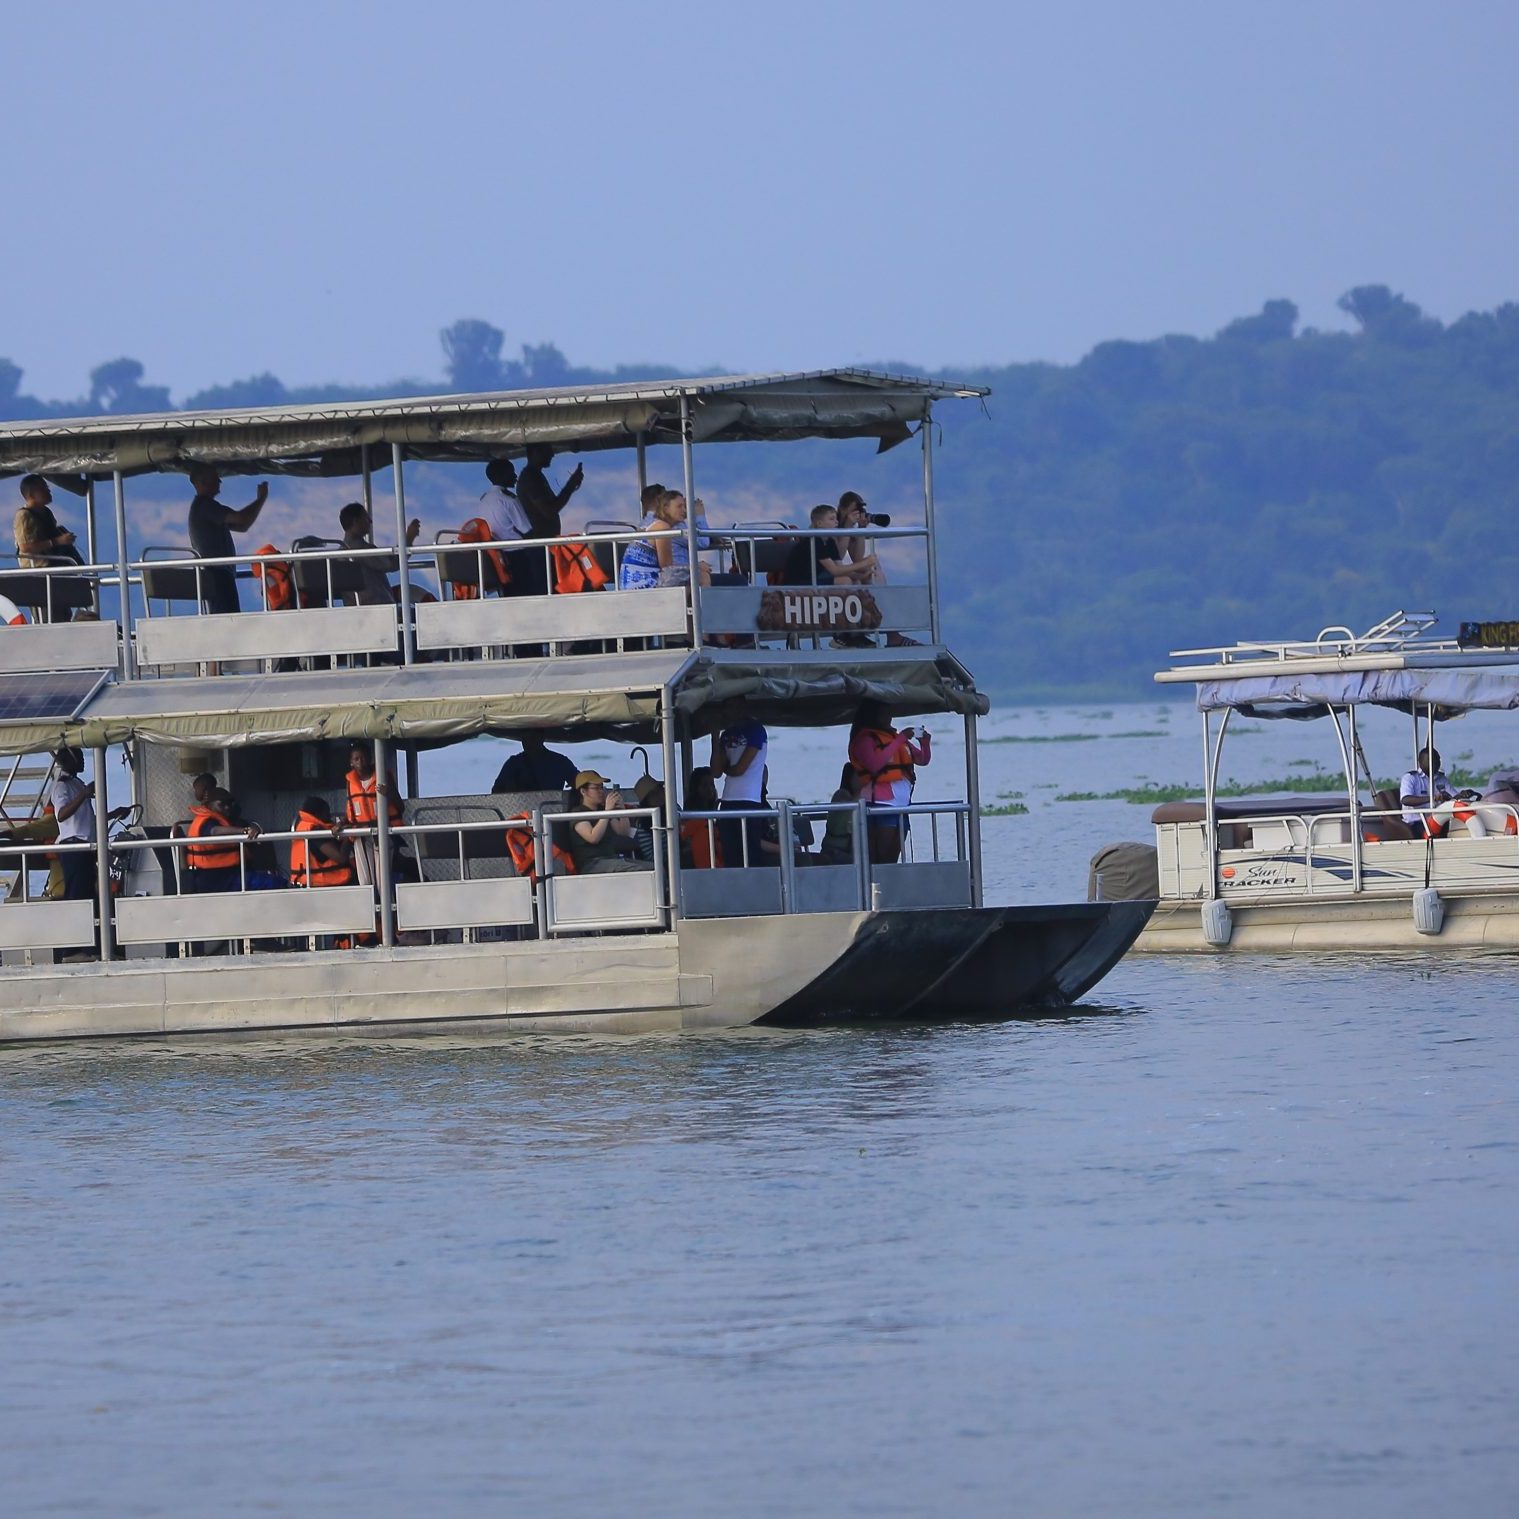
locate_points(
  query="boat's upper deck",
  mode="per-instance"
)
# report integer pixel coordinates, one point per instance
(150, 613)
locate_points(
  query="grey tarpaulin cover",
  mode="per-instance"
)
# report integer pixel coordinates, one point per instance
(1456, 689)
(326, 439)
(443, 703)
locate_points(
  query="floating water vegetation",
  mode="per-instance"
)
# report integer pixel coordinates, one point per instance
(1069, 738)
(1005, 810)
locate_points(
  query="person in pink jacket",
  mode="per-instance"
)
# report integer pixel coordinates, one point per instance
(886, 761)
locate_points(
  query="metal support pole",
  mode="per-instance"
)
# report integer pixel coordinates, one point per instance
(1208, 830)
(973, 799)
(89, 520)
(366, 476)
(1357, 844)
(643, 466)
(123, 584)
(413, 774)
(408, 644)
(672, 814)
(103, 858)
(690, 492)
(687, 758)
(383, 883)
(787, 840)
(926, 432)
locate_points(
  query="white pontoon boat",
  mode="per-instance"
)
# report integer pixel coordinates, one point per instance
(1347, 871)
(268, 702)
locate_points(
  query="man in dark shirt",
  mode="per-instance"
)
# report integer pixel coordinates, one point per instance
(211, 528)
(537, 768)
(539, 499)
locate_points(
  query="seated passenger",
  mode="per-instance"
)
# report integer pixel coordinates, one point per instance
(40, 541)
(664, 557)
(358, 533)
(1430, 816)
(39, 538)
(210, 866)
(701, 847)
(211, 528)
(536, 768)
(838, 832)
(853, 517)
(832, 567)
(600, 846)
(322, 856)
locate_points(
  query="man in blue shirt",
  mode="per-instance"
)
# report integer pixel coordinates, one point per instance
(536, 768)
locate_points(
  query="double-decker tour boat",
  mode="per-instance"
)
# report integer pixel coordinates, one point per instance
(447, 910)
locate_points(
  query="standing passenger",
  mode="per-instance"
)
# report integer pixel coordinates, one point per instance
(508, 520)
(211, 528)
(885, 760)
(539, 499)
(739, 752)
(214, 866)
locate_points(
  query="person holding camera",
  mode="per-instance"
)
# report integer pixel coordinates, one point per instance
(852, 517)
(600, 846)
(886, 762)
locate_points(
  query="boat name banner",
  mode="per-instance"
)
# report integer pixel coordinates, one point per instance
(808, 608)
(1489, 635)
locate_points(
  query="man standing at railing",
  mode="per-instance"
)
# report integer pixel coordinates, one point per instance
(508, 521)
(539, 499)
(211, 528)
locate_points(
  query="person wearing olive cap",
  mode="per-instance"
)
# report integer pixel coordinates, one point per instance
(600, 846)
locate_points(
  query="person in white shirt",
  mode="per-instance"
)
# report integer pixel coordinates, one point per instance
(1429, 803)
(73, 803)
(509, 522)
(739, 751)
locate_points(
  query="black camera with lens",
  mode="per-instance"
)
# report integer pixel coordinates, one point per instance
(878, 519)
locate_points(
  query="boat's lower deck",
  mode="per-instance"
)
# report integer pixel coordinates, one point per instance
(711, 973)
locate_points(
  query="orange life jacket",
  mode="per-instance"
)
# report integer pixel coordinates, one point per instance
(891, 773)
(478, 530)
(576, 568)
(219, 853)
(323, 872)
(361, 795)
(279, 583)
(706, 844)
(519, 844)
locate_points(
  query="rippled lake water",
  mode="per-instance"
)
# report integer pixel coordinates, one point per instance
(1237, 1237)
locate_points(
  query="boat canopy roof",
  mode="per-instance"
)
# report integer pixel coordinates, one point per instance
(330, 438)
(588, 697)
(1394, 664)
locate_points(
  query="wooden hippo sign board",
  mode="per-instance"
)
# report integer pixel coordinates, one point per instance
(809, 609)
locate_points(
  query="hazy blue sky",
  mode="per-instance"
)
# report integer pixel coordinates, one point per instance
(316, 189)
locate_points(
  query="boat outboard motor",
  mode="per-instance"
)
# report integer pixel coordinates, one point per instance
(1125, 872)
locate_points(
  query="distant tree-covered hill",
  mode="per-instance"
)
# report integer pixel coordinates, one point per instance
(1264, 482)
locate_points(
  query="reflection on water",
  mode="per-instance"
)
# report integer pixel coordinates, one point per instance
(1236, 1240)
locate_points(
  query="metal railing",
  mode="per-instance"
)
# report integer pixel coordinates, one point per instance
(173, 582)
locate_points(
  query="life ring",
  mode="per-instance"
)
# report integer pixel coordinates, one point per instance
(10, 614)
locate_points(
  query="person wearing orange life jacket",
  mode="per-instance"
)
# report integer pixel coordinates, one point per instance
(885, 761)
(321, 856)
(213, 862)
(364, 786)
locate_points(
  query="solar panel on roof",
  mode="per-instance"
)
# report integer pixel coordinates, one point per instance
(33, 698)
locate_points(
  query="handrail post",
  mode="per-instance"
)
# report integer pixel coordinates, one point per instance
(89, 527)
(103, 859)
(383, 883)
(784, 837)
(643, 465)
(123, 586)
(408, 644)
(926, 430)
(689, 478)
(862, 848)
(973, 801)
(672, 815)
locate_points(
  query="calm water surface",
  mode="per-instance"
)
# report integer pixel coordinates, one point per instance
(1239, 1239)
